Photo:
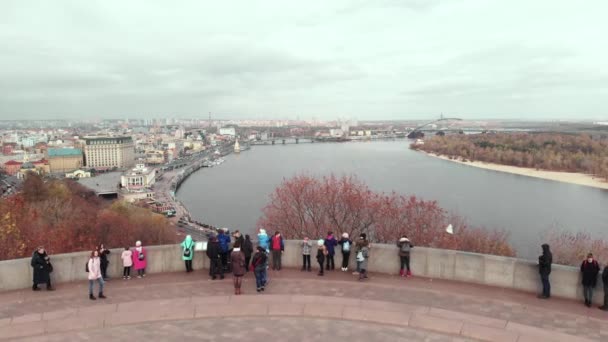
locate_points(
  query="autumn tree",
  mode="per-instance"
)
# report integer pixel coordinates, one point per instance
(307, 206)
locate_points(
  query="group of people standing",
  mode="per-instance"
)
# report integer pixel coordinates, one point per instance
(590, 269)
(96, 267)
(98, 263)
(241, 259)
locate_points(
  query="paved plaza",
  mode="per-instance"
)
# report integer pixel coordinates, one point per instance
(296, 306)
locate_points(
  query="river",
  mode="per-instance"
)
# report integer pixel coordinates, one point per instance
(233, 194)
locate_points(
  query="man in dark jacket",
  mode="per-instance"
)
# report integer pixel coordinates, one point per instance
(215, 261)
(103, 260)
(247, 250)
(544, 268)
(224, 240)
(605, 280)
(41, 263)
(590, 269)
(330, 244)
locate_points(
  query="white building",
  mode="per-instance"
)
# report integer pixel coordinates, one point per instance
(336, 132)
(139, 178)
(228, 131)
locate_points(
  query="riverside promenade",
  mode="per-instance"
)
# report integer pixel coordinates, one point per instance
(297, 306)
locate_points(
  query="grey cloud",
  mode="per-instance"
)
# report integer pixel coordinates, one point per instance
(363, 59)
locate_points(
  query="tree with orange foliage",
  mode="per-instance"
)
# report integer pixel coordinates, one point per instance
(307, 206)
(64, 217)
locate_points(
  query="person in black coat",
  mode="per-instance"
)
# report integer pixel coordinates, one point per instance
(544, 269)
(605, 280)
(103, 260)
(247, 248)
(41, 263)
(590, 269)
(215, 259)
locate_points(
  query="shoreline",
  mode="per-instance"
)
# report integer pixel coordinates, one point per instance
(558, 176)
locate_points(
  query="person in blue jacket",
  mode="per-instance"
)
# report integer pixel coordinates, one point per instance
(224, 241)
(330, 244)
(264, 240)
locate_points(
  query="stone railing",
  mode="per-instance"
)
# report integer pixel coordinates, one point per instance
(482, 269)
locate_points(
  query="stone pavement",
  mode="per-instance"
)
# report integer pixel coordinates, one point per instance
(298, 305)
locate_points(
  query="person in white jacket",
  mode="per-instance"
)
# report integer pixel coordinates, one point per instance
(94, 269)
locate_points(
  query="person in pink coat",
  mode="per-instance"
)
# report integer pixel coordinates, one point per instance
(94, 269)
(140, 259)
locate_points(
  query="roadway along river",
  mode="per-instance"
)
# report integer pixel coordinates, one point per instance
(233, 194)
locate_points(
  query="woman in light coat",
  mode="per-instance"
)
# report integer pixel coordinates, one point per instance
(94, 269)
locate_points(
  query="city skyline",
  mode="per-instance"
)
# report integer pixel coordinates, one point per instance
(386, 60)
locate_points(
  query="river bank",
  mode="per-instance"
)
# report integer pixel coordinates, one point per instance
(565, 177)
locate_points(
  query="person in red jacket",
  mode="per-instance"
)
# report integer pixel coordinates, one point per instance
(276, 249)
(590, 269)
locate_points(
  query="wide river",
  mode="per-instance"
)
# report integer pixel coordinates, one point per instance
(233, 194)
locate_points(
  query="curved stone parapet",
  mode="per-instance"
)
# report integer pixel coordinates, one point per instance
(504, 272)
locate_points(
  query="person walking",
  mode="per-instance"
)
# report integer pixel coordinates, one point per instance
(405, 246)
(321, 254)
(330, 244)
(127, 263)
(362, 242)
(237, 260)
(224, 241)
(188, 252)
(247, 249)
(345, 244)
(544, 269)
(215, 259)
(306, 248)
(103, 259)
(140, 260)
(590, 269)
(94, 269)
(605, 281)
(42, 268)
(362, 258)
(258, 265)
(264, 240)
(276, 248)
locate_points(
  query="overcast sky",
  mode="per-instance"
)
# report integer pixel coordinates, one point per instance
(376, 59)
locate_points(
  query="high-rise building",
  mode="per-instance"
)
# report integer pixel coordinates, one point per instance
(109, 152)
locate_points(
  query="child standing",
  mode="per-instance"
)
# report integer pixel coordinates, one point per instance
(346, 244)
(306, 247)
(258, 265)
(362, 257)
(127, 262)
(321, 253)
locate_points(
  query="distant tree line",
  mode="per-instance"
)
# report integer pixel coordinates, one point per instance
(546, 151)
(63, 216)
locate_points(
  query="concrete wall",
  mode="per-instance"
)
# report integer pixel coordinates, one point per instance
(427, 262)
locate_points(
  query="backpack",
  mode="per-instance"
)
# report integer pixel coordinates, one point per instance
(187, 251)
(360, 256)
(346, 246)
(141, 255)
(406, 247)
(86, 266)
